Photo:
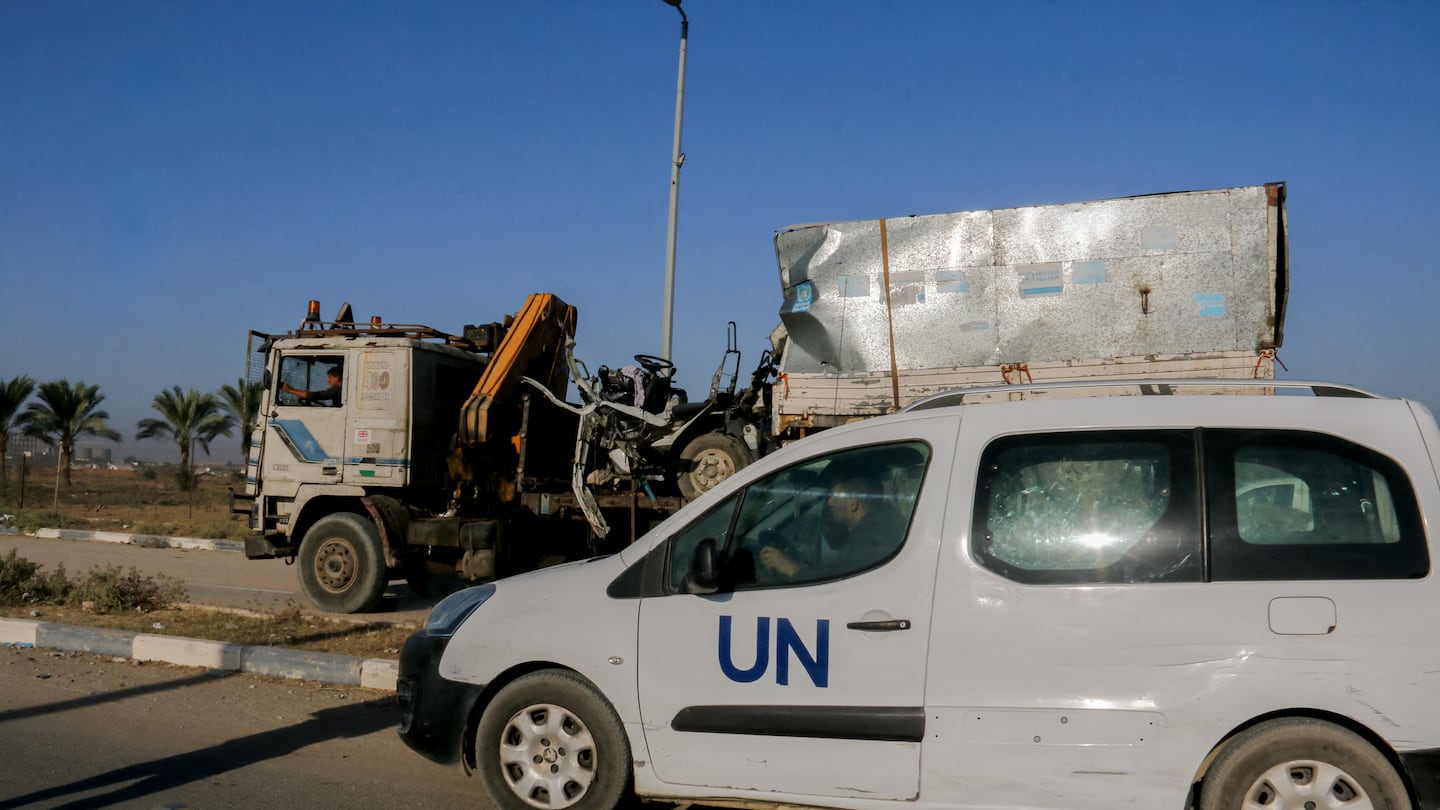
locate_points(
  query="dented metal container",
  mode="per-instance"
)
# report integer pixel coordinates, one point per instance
(880, 312)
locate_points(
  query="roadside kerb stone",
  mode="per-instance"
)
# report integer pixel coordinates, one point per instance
(379, 673)
(18, 633)
(188, 652)
(146, 540)
(304, 666)
(96, 640)
(273, 662)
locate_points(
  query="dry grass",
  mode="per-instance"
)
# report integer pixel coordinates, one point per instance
(144, 501)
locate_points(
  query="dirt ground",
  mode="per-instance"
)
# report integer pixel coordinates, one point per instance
(144, 500)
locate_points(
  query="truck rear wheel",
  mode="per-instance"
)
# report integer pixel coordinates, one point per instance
(709, 459)
(342, 566)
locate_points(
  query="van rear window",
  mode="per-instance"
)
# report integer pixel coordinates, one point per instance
(1113, 506)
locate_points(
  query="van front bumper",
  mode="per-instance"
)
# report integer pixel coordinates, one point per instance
(434, 711)
(1423, 767)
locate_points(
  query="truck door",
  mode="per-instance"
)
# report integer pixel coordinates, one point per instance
(375, 433)
(304, 438)
(805, 672)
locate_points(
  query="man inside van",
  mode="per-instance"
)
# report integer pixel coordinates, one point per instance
(861, 527)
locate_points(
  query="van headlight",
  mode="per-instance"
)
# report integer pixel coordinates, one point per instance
(447, 616)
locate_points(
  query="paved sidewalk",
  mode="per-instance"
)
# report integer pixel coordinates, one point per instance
(268, 578)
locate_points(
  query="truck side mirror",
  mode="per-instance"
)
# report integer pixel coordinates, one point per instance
(704, 576)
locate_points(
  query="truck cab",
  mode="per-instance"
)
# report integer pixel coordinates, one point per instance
(381, 443)
(383, 449)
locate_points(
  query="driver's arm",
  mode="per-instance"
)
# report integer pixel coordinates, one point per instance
(293, 391)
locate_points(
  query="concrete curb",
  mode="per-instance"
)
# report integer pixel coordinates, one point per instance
(145, 540)
(273, 662)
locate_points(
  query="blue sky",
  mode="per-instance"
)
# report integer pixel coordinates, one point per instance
(173, 174)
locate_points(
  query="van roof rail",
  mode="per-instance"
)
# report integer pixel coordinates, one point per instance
(1147, 387)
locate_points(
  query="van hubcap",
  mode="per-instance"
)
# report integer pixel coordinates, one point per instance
(547, 756)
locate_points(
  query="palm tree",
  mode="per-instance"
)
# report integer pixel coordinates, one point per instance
(189, 418)
(12, 395)
(242, 403)
(65, 413)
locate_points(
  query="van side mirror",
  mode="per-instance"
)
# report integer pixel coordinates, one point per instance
(704, 576)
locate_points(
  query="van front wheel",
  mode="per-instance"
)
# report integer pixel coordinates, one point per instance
(1299, 762)
(550, 740)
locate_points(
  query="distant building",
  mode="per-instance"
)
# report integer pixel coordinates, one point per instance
(19, 444)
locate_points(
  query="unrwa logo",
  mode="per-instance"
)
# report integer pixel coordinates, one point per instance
(787, 641)
(804, 296)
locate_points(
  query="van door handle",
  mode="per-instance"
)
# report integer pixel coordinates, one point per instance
(884, 626)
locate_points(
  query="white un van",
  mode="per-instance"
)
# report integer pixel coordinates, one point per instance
(1219, 601)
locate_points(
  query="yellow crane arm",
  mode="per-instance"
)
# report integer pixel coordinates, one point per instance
(533, 346)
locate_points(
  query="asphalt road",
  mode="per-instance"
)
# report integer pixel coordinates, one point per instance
(85, 731)
(223, 578)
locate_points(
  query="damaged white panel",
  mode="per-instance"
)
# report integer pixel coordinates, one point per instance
(957, 298)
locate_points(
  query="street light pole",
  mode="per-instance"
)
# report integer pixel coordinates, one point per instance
(677, 158)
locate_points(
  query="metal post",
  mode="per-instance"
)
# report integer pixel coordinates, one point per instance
(677, 158)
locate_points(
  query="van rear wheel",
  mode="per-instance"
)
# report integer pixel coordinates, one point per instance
(549, 740)
(342, 565)
(1299, 762)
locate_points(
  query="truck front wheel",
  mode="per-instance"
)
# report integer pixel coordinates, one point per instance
(342, 566)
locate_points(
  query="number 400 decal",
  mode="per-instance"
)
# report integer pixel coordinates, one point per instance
(787, 641)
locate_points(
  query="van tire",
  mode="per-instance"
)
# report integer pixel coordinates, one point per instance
(1280, 762)
(709, 459)
(552, 732)
(342, 564)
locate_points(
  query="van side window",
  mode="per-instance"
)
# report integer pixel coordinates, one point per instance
(823, 519)
(715, 525)
(1296, 505)
(1089, 507)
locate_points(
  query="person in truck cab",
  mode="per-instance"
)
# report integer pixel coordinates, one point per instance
(329, 395)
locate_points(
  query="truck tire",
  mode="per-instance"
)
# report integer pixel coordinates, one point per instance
(709, 459)
(342, 566)
(549, 740)
(1299, 762)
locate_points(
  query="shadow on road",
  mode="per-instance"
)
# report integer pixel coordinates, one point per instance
(340, 722)
(112, 696)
